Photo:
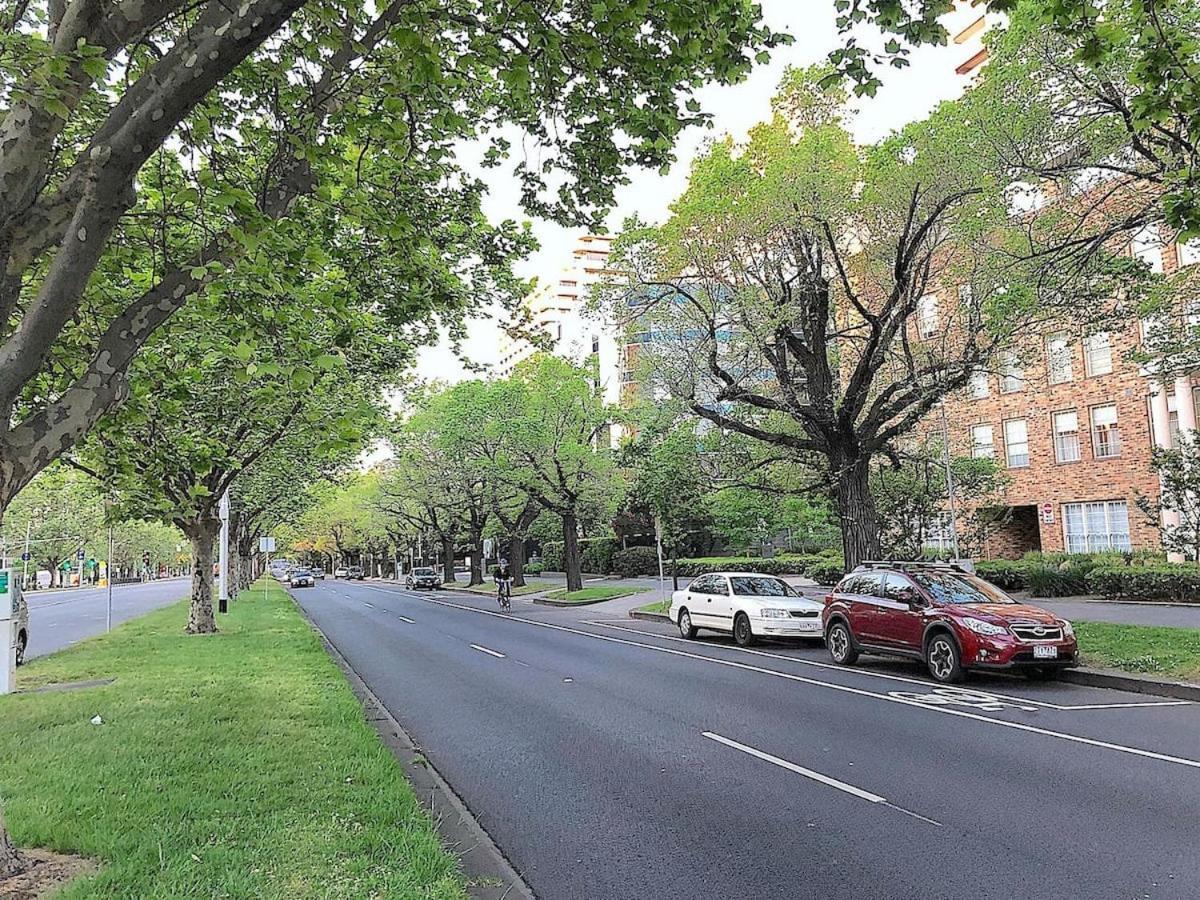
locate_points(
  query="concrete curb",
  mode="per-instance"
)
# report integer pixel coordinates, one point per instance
(649, 616)
(1127, 681)
(542, 601)
(489, 875)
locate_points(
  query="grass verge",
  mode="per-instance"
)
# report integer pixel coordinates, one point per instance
(1145, 649)
(594, 593)
(489, 589)
(231, 765)
(659, 607)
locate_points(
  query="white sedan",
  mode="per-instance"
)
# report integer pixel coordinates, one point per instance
(746, 605)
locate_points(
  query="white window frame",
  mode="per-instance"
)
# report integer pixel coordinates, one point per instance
(1147, 246)
(978, 386)
(1066, 450)
(1011, 372)
(1097, 354)
(1077, 518)
(979, 449)
(1188, 252)
(1066, 372)
(1008, 444)
(928, 317)
(1113, 430)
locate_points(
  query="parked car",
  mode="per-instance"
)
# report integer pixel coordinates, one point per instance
(944, 615)
(341, 572)
(20, 614)
(422, 577)
(355, 572)
(317, 572)
(301, 577)
(747, 605)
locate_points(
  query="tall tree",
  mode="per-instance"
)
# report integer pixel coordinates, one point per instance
(834, 295)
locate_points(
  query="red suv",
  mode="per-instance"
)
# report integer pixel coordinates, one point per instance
(946, 616)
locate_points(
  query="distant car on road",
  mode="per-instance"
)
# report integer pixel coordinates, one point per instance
(317, 572)
(301, 577)
(422, 577)
(355, 572)
(946, 616)
(341, 572)
(20, 614)
(747, 605)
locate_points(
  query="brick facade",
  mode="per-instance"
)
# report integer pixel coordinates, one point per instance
(1037, 492)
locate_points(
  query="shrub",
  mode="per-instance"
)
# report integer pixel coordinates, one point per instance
(690, 568)
(595, 555)
(1161, 581)
(635, 561)
(552, 556)
(536, 568)
(827, 572)
(1011, 575)
(1065, 580)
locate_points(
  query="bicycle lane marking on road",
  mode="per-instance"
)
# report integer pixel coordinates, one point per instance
(982, 697)
(841, 688)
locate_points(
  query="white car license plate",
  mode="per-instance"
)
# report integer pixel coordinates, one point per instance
(1043, 652)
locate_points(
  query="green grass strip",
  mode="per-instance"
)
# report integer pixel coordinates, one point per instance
(1147, 649)
(231, 765)
(594, 593)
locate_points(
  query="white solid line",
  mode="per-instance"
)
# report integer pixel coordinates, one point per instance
(846, 689)
(487, 651)
(406, 619)
(799, 770)
(620, 626)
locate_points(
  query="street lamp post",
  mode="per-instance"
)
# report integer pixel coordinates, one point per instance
(949, 482)
(223, 576)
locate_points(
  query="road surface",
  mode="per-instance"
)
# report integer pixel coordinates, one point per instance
(610, 758)
(58, 619)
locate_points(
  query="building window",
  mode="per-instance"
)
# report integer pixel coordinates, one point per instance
(1106, 440)
(1058, 358)
(979, 385)
(1066, 436)
(595, 343)
(1097, 354)
(1012, 376)
(1147, 246)
(927, 316)
(1016, 443)
(1091, 527)
(1189, 252)
(938, 534)
(981, 442)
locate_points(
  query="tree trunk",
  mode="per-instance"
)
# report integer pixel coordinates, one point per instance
(448, 561)
(11, 860)
(516, 560)
(476, 559)
(856, 509)
(202, 532)
(571, 560)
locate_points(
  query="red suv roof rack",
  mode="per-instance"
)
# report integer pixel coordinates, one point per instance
(911, 564)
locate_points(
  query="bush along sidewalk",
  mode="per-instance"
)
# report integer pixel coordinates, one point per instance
(824, 568)
(233, 765)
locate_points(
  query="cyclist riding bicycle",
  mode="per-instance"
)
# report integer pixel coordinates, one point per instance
(503, 577)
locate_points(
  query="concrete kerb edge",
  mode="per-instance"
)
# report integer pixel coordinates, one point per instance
(1137, 684)
(489, 874)
(649, 616)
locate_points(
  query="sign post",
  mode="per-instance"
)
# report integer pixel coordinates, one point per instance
(10, 595)
(223, 571)
(266, 545)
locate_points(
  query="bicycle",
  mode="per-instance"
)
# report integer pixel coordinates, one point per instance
(504, 593)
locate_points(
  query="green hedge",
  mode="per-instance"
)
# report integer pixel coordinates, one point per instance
(635, 561)
(595, 555)
(1056, 574)
(1161, 581)
(824, 568)
(536, 568)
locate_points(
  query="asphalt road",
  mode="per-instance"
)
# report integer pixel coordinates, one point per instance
(611, 759)
(58, 619)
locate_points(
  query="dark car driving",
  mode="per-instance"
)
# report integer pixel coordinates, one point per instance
(422, 577)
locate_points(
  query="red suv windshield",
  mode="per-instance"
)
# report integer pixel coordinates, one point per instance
(959, 589)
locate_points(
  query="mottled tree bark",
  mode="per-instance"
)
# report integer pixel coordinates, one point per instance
(448, 561)
(516, 559)
(202, 532)
(856, 506)
(11, 860)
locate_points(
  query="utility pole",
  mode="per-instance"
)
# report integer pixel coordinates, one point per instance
(223, 570)
(109, 573)
(25, 556)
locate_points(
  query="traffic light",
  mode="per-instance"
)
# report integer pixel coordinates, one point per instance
(146, 558)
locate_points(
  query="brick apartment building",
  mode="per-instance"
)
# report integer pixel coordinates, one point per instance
(1071, 421)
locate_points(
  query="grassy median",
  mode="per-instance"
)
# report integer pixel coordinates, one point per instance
(232, 765)
(1173, 652)
(592, 594)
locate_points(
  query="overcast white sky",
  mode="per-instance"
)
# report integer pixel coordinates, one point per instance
(907, 94)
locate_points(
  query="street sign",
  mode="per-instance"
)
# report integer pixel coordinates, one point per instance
(81, 555)
(26, 556)
(1048, 513)
(266, 545)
